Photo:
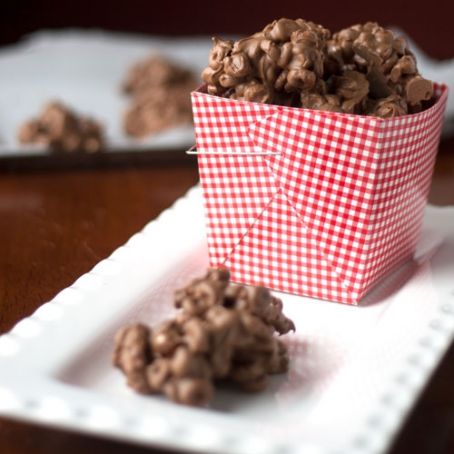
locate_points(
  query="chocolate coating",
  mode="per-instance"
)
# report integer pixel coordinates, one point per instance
(418, 89)
(160, 93)
(390, 107)
(298, 63)
(317, 101)
(223, 331)
(63, 130)
(352, 88)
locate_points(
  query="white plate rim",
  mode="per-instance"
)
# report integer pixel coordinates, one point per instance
(84, 411)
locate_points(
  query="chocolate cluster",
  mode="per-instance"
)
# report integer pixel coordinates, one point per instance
(222, 332)
(62, 130)
(364, 69)
(160, 92)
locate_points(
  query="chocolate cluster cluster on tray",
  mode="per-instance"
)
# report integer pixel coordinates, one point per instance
(160, 96)
(364, 69)
(222, 332)
(63, 130)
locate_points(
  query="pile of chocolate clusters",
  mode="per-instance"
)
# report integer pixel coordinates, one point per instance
(222, 332)
(363, 69)
(160, 96)
(61, 129)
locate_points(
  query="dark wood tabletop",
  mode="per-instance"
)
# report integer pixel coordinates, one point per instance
(56, 224)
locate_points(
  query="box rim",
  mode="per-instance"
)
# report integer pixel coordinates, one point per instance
(368, 118)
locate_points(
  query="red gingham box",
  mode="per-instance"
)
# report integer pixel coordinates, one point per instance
(314, 203)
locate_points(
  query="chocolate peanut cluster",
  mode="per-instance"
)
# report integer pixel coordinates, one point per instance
(62, 130)
(364, 69)
(160, 96)
(222, 332)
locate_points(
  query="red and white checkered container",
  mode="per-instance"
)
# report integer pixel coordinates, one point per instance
(313, 203)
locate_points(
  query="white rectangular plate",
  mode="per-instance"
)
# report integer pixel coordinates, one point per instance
(85, 69)
(355, 371)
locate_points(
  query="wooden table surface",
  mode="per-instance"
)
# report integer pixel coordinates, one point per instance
(57, 224)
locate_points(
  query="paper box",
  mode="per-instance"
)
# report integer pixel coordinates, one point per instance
(313, 203)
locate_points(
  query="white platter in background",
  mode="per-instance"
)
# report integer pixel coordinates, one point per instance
(85, 69)
(355, 371)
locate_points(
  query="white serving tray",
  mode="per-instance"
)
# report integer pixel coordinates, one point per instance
(355, 371)
(85, 69)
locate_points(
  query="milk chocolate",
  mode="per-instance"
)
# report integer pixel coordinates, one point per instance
(299, 63)
(223, 332)
(160, 95)
(62, 130)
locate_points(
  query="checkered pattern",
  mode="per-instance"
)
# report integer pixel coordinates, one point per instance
(315, 203)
